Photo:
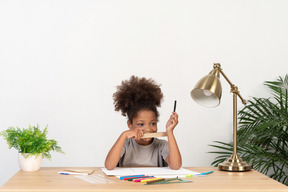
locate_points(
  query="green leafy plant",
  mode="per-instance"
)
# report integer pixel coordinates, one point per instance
(31, 140)
(263, 133)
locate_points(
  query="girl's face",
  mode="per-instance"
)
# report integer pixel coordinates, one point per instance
(146, 121)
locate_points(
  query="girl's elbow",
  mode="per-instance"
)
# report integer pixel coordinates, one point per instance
(175, 167)
(109, 167)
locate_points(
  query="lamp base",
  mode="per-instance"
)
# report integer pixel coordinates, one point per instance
(234, 163)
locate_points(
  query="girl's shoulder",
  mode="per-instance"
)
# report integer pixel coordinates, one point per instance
(128, 141)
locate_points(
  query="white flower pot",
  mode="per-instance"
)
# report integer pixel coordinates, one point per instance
(30, 163)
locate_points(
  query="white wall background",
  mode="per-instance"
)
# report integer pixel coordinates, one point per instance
(60, 63)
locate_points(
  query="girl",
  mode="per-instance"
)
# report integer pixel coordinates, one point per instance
(138, 99)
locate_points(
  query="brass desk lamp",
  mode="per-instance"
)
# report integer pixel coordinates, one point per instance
(207, 92)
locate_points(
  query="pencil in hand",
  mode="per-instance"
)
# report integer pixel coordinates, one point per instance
(175, 102)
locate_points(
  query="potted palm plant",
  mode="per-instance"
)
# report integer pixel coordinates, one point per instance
(263, 133)
(32, 145)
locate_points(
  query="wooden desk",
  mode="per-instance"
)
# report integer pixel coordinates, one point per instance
(48, 179)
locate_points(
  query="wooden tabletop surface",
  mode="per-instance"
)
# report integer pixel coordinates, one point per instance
(47, 179)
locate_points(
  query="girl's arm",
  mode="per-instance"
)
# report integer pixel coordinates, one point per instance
(113, 156)
(174, 159)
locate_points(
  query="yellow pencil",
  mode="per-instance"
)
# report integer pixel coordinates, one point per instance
(145, 180)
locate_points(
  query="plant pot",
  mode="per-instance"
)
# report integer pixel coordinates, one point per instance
(29, 163)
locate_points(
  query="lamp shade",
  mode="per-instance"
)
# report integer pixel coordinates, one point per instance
(207, 92)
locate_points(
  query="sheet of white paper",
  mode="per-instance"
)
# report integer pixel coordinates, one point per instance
(148, 171)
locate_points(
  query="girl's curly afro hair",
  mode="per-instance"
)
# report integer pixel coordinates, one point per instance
(137, 94)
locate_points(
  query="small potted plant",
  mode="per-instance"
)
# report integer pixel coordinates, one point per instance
(32, 145)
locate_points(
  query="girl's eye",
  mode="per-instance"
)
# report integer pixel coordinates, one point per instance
(153, 124)
(140, 124)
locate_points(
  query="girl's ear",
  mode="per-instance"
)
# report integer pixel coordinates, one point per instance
(129, 124)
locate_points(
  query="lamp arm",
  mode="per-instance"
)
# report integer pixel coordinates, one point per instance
(234, 89)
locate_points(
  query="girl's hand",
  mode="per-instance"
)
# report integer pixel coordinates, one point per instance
(135, 134)
(172, 122)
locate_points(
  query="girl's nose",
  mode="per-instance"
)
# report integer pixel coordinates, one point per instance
(150, 129)
(146, 129)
